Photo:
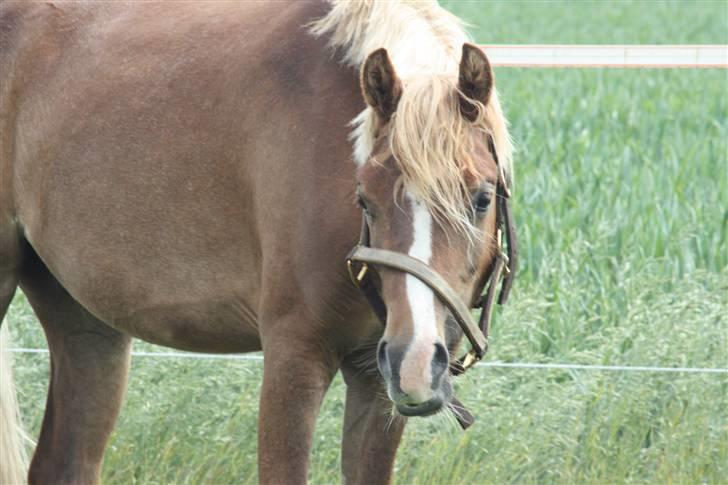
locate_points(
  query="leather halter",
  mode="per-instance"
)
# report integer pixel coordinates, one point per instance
(363, 260)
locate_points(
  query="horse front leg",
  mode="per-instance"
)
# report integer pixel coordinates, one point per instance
(371, 432)
(297, 372)
(89, 365)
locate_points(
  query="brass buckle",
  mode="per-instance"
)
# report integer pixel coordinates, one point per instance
(502, 254)
(359, 277)
(470, 359)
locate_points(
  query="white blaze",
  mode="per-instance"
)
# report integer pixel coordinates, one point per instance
(416, 373)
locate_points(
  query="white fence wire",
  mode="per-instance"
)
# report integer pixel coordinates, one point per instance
(504, 365)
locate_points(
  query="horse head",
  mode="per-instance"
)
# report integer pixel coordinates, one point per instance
(427, 191)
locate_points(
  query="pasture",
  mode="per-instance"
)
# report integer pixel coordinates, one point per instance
(620, 201)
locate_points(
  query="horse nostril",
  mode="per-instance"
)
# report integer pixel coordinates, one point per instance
(440, 362)
(441, 354)
(383, 360)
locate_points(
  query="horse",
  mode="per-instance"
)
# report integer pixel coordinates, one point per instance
(194, 174)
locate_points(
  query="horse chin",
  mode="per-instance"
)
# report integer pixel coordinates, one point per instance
(427, 408)
(432, 406)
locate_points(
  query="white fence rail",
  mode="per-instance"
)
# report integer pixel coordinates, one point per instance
(613, 56)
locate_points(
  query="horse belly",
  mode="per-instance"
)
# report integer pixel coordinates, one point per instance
(215, 325)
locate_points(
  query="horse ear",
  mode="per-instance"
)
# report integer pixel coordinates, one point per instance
(475, 80)
(380, 85)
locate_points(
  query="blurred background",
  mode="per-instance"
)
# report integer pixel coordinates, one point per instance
(621, 203)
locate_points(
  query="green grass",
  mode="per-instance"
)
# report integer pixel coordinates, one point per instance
(594, 22)
(621, 197)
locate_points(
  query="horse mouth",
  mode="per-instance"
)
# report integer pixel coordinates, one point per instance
(427, 408)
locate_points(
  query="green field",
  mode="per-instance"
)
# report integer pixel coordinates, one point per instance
(622, 205)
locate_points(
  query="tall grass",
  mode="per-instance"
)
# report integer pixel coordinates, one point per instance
(621, 197)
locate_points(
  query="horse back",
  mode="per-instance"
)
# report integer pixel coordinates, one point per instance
(157, 150)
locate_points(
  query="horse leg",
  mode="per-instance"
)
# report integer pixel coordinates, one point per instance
(89, 365)
(371, 433)
(297, 372)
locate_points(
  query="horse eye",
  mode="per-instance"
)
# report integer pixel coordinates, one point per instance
(482, 202)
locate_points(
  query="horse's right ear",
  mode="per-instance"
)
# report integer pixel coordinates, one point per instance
(380, 85)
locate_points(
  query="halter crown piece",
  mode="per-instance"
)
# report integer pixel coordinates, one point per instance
(363, 260)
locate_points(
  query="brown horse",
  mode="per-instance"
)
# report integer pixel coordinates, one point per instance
(181, 173)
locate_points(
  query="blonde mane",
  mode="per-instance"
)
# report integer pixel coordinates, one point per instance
(428, 134)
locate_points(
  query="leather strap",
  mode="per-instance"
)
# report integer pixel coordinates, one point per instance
(420, 270)
(464, 417)
(369, 288)
(507, 224)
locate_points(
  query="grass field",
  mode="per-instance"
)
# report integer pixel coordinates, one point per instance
(621, 201)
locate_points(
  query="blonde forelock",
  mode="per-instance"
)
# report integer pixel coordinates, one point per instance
(433, 147)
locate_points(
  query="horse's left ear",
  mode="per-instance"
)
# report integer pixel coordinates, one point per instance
(475, 80)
